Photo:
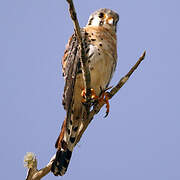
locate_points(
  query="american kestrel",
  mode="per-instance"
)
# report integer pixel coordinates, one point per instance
(99, 38)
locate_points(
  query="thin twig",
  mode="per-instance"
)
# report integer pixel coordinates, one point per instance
(83, 59)
(98, 106)
(127, 76)
(34, 173)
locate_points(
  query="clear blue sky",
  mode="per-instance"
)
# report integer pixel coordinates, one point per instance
(140, 139)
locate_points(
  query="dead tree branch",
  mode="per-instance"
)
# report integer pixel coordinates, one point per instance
(33, 173)
(30, 159)
(83, 59)
(113, 91)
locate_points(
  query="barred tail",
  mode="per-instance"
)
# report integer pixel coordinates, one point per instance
(61, 162)
(65, 145)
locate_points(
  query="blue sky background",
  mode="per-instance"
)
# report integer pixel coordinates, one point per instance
(140, 139)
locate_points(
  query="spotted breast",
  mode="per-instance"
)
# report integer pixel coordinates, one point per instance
(99, 37)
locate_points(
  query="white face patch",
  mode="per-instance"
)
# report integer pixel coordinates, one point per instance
(95, 21)
(110, 21)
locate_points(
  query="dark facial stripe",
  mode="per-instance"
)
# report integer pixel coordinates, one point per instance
(90, 21)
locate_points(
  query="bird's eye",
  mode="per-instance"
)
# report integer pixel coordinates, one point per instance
(101, 15)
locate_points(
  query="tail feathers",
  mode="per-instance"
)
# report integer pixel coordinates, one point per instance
(61, 162)
(65, 145)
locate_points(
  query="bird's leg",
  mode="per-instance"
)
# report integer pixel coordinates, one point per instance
(93, 95)
(83, 94)
(103, 97)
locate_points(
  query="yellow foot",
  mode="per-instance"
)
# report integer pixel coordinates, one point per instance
(104, 97)
(83, 94)
(93, 95)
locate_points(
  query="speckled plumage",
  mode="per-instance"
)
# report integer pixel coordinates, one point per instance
(99, 37)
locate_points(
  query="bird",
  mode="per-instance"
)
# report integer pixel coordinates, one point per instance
(100, 44)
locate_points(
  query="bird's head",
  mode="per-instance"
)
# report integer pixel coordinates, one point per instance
(105, 18)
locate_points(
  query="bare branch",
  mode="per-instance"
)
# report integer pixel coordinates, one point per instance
(98, 106)
(126, 77)
(84, 64)
(33, 173)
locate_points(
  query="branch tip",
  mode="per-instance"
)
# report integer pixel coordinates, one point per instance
(30, 160)
(114, 90)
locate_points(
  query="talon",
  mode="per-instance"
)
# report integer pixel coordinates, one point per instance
(106, 114)
(107, 104)
(105, 98)
(93, 95)
(104, 90)
(108, 89)
(83, 94)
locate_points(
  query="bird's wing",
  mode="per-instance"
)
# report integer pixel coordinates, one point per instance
(71, 66)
